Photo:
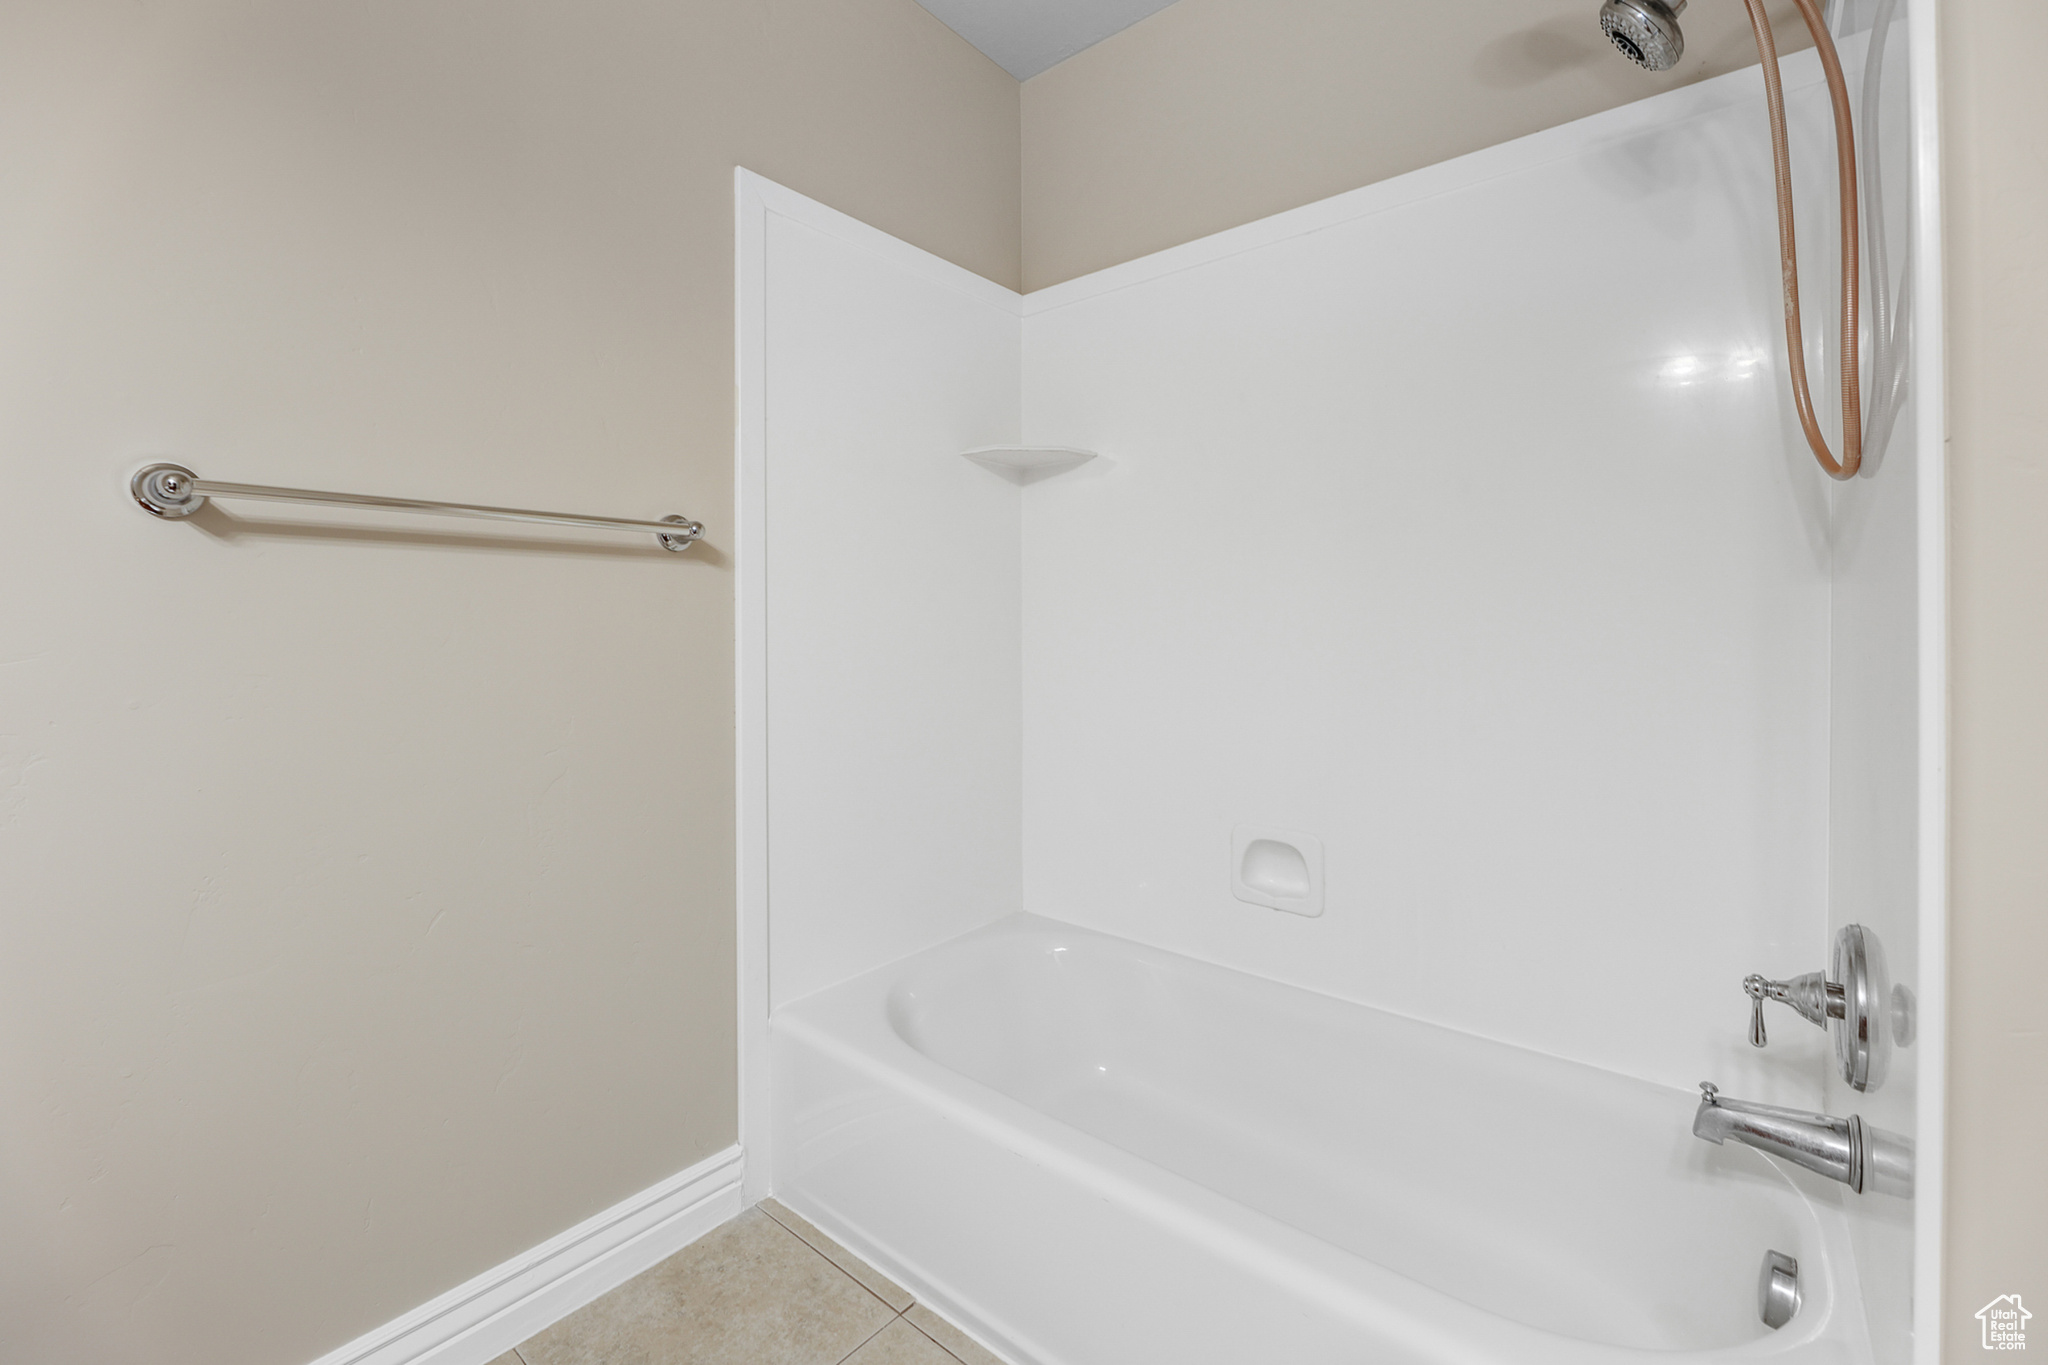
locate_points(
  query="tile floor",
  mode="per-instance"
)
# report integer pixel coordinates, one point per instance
(765, 1289)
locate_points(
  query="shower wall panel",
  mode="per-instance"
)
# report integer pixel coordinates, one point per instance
(891, 735)
(1463, 523)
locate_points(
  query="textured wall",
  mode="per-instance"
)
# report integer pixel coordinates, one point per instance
(366, 887)
(1213, 113)
(1994, 107)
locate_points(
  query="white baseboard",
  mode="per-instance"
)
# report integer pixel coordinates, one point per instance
(476, 1322)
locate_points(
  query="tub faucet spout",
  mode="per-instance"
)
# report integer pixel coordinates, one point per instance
(1841, 1149)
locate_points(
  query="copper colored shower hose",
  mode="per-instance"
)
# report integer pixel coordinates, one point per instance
(1845, 158)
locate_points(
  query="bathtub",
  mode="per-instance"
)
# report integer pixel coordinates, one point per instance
(1091, 1152)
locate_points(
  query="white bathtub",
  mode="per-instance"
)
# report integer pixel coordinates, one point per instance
(1096, 1153)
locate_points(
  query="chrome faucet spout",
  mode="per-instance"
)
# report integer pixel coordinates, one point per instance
(1818, 1142)
(1840, 1149)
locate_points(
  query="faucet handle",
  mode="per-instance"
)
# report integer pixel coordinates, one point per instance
(1707, 1092)
(1753, 985)
(1855, 1000)
(1816, 999)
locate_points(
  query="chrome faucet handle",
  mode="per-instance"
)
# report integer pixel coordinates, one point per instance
(1855, 1002)
(1707, 1092)
(1816, 998)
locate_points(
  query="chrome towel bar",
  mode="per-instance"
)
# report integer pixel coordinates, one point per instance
(170, 490)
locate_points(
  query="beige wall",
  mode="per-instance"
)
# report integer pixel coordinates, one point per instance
(1213, 113)
(1995, 109)
(366, 893)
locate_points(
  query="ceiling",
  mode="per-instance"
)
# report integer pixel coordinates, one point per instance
(1024, 37)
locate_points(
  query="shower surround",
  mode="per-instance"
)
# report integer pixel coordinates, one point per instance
(1461, 523)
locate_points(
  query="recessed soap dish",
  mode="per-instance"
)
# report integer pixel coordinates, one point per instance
(1281, 869)
(1028, 464)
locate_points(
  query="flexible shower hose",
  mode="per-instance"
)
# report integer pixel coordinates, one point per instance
(1845, 158)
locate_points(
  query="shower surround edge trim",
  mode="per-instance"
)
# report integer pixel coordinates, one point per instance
(487, 1315)
(1930, 377)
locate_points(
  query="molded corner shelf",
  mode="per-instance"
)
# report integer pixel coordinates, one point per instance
(1028, 464)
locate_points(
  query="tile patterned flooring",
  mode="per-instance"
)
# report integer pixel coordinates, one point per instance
(765, 1289)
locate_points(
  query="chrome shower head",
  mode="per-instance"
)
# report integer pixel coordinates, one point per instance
(1645, 31)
